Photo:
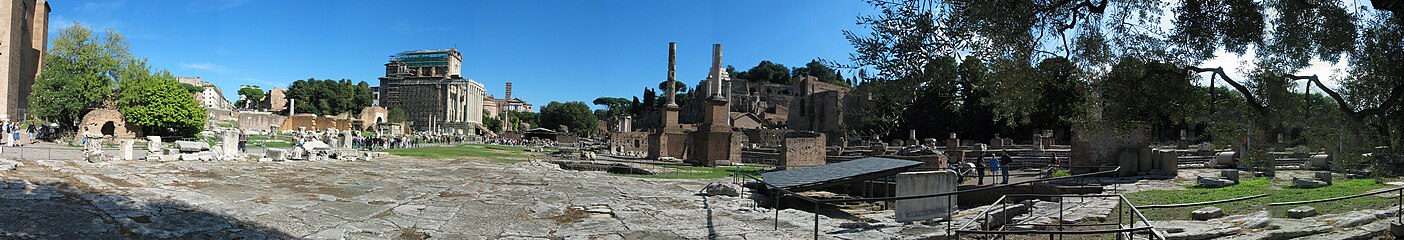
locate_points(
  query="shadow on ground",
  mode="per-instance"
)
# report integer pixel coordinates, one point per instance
(56, 210)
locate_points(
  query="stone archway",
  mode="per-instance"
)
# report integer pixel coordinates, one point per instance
(107, 122)
(109, 129)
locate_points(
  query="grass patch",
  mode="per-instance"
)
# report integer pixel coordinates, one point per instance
(690, 172)
(1061, 173)
(1255, 186)
(495, 153)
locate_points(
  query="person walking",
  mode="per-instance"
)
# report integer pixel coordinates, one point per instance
(1004, 161)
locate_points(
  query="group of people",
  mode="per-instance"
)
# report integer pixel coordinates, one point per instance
(16, 133)
(997, 164)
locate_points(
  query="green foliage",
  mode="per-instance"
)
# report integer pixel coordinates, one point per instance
(191, 88)
(79, 72)
(816, 68)
(1158, 93)
(496, 153)
(492, 124)
(574, 115)
(397, 115)
(1046, 97)
(518, 118)
(330, 97)
(614, 106)
(681, 87)
(156, 104)
(249, 95)
(765, 71)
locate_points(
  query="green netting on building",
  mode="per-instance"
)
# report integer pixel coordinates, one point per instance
(424, 58)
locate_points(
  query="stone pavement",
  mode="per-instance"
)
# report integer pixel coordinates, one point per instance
(392, 197)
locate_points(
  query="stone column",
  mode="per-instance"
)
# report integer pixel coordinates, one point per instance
(715, 83)
(672, 82)
(346, 139)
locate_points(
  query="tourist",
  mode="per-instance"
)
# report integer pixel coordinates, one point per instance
(994, 167)
(980, 170)
(243, 141)
(1004, 161)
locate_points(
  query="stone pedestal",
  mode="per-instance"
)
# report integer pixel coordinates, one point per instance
(952, 143)
(716, 148)
(230, 145)
(127, 149)
(346, 139)
(667, 145)
(920, 183)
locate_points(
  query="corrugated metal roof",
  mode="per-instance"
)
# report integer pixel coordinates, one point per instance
(843, 171)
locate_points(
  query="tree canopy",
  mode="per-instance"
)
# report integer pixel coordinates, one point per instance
(574, 115)
(83, 70)
(80, 70)
(249, 95)
(156, 103)
(330, 97)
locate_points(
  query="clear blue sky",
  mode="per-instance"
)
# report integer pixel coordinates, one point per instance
(549, 50)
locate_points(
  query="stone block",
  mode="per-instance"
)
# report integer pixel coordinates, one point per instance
(1324, 176)
(1230, 174)
(153, 144)
(1319, 162)
(6, 164)
(168, 158)
(1207, 213)
(920, 183)
(1211, 182)
(722, 189)
(277, 154)
(1301, 212)
(1169, 162)
(127, 149)
(189, 157)
(1308, 183)
(1222, 159)
(189, 146)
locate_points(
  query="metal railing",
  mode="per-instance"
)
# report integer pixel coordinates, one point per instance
(1123, 205)
(781, 192)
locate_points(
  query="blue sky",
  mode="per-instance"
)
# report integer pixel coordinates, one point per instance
(549, 50)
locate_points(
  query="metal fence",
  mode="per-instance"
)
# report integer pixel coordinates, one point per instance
(781, 192)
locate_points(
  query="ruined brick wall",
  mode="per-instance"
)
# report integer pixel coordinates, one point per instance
(107, 122)
(803, 149)
(629, 142)
(1101, 145)
(314, 123)
(219, 114)
(766, 138)
(260, 121)
(668, 145)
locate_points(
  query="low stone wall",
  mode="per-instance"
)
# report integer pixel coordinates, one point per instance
(312, 122)
(629, 142)
(249, 121)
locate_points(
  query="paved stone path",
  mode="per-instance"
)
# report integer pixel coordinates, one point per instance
(387, 198)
